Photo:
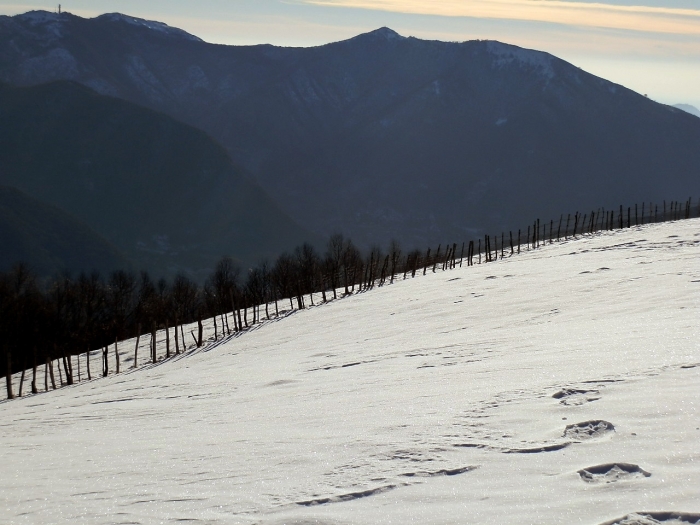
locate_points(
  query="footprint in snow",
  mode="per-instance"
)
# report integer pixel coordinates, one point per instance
(349, 496)
(612, 472)
(588, 430)
(656, 518)
(304, 521)
(575, 396)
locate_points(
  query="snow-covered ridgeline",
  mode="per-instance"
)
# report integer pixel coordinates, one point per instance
(559, 386)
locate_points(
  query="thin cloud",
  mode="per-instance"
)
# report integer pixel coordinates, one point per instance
(639, 18)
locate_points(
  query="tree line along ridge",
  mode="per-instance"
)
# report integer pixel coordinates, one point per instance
(57, 324)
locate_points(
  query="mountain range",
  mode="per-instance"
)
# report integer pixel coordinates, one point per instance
(382, 137)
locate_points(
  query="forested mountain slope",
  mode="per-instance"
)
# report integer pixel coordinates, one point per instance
(49, 240)
(164, 193)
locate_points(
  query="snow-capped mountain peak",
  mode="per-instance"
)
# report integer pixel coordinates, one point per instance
(149, 24)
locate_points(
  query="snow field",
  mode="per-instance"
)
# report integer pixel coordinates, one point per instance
(557, 386)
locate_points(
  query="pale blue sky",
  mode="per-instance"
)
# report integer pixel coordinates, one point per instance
(650, 46)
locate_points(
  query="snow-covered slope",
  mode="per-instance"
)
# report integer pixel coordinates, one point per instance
(557, 386)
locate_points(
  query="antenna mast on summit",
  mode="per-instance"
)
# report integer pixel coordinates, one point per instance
(59, 9)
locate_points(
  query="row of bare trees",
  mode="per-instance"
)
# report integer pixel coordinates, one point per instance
(57, 323)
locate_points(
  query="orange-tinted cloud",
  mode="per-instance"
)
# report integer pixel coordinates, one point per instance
(602, 15)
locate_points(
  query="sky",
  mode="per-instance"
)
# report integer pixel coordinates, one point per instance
(650, 46)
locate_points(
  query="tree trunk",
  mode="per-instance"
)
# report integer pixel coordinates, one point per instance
(216, 331)
(8, 373)
(87, 358)
(201, 332)
(116, 353)
(105, 361)
(67, 369)
(561, 217)
(182, 334)
(21, 382)
(60, 374)
(46, 375)
(167, 340)
(34, 388)
(177, 344)
(53, 378)
(78, 358)
(154, 351)
(136, 348)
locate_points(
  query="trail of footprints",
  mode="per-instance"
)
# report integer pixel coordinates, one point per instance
(595, 429)
(573, 434)
(613, 472)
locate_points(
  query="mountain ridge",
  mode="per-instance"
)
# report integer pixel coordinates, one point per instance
(383, 137)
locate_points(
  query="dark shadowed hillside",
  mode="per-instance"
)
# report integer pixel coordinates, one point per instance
(49, 240)
(163, 192)
(383, 136)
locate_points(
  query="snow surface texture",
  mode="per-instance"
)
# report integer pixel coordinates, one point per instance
(558, 386)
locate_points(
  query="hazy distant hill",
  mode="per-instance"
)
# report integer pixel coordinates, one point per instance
(50, 240)
(688, 109)
(382, 136)
(163, 192)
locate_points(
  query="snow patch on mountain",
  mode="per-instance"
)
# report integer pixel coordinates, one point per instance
(144, 78)
(506, 55)
(51, 23)
(39, 17)
(57, 64)
(149, 24)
